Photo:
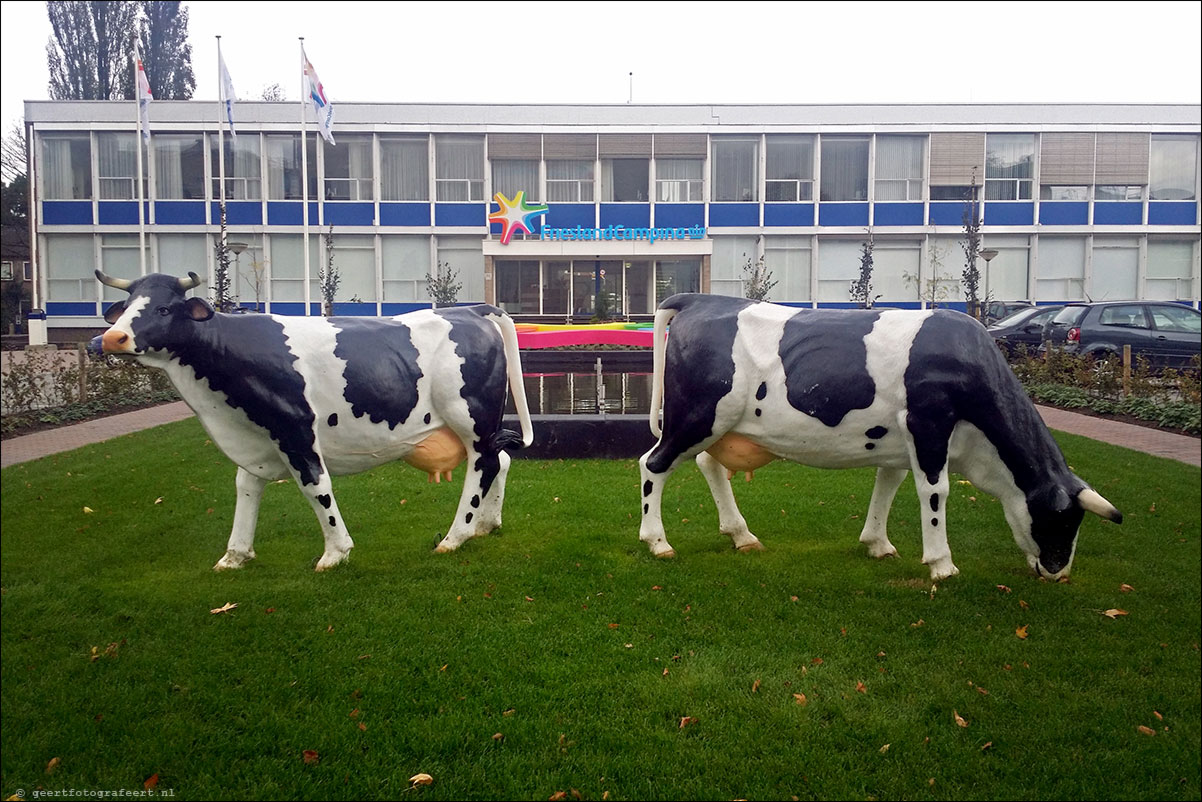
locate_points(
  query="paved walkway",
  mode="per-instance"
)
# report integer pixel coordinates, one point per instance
(65, 438)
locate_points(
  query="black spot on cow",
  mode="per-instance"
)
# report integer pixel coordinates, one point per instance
(934, 502)
(761, 391)
(869, 446)
(332, 521)
(324, 500)
(475, 501)
(876, 432)
(759, 412)
(427, 418)
(934, 522)
(647, 487)
(699, 370)
(826, 362)
(332, 421)
(381, 369)
(247, 358)
(645, 508)
(468, 518)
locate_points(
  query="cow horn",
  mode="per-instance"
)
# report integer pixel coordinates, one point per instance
(1092, 501)
(188, 283)
(109, 281)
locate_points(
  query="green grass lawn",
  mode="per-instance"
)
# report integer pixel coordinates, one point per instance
(557, 655)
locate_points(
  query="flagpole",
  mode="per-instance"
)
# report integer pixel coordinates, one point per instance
(304, 178)
(138, 139)
(221, 139)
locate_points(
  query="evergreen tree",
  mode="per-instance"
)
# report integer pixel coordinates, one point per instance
(88, 54)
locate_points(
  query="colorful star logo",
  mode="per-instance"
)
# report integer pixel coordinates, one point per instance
(515, 215)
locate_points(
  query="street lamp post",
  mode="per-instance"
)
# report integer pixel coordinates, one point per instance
(987, 255)
(237, 248)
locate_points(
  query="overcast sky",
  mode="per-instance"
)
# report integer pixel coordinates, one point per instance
(678, 52)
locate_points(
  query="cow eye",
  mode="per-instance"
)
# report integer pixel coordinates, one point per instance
(164, 311)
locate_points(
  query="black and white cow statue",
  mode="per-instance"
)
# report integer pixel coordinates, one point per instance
(312, 397)
(743, 383)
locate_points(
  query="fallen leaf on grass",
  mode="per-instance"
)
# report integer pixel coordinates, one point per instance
(362, 726)
(987, 745)
(225, 608)
(151, 782)
(496, 736)
(861, 687)
(52, 765)
(1158, 716)
(1023, 605)
(355, 713)
(558, 795)
(800, 698)
(158, 500)
(1125, 588)
(686, 721)
(310, 756)
(755, 686)
(613, 626)
(529, 599)
(1146, 730)
(817, 661)
(917, 623)
(420, 779)
(884, 749)
(959, 719)
(665, 673)
(1114, 613)
(87, 510)
(1021, 632)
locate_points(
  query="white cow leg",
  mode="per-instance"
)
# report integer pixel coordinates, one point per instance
(651, 528)
(337, 540)
(874, 534)
(730, 521)
(932, 500)
(489, 517)
(241, 547)
(465, 526)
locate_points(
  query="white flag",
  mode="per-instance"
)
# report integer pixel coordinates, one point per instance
(144, 98)
(228, 95)
(317, 98)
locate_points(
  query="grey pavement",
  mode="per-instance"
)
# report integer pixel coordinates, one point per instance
(65, 438)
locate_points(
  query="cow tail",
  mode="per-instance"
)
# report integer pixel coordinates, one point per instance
(513, 366)
(662, 318)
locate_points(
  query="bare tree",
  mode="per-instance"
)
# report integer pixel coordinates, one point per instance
(88, 54)
(167, 55)
(13, 164)
(972, 249)
(274, 93)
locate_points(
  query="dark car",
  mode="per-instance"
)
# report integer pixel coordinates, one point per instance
(999, 310)
(1164, 333)
(1023, 328)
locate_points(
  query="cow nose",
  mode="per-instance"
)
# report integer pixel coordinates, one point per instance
(115, 342)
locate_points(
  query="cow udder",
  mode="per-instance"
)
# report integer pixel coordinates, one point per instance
(736, 453)
(438, 454)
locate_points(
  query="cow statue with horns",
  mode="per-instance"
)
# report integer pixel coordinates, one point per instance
(743, 383)
(311, 397)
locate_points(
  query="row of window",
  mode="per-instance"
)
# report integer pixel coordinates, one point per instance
(392, 269)
(625, 168)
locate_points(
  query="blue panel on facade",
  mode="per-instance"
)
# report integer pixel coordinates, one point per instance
(294, 308)
(843, 214)
(897, 214)
(630, 215)
(679, 215)
(349, 214)
(68, 213)
(388, 310)
(238, 213)
(71, 309)
(460, 214)
(570, 215)
(349, 309)
(290, 213)
(788, 214)
(404, 214)
(1009, 214)
(117, 213)
(1172, 213)
(946, 214)
(179, 213)
(734, 214)
(1063, 213)
(1118, 213)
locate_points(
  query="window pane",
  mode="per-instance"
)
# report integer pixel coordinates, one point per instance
(243, 180)
(179, 167)
(1173, 167)
(570, 181)
(404, 169)
(117, 165)
(348, 173)
(678, 180)
(511, 176)
(899, 168)
(735, 174)
(625, 180)
(459, 168)
(67, 170)
(284, 167)
(844, 169)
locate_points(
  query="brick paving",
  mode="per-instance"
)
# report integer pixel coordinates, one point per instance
(65, 438)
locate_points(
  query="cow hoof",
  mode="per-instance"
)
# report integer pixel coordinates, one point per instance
(666, 555)
(755, 545)
(943, 570)
(328, 561)
(233, 559)
(881, 551)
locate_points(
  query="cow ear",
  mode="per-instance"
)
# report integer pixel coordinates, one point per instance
(114, 312)
(198, 309)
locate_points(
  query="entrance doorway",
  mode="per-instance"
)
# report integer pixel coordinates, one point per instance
(581, 289)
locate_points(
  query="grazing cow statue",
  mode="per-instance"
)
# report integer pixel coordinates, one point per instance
(312, 397)
(743, 383)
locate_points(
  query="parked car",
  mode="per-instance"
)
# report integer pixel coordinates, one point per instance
(1023, 328)
(998, 310)
(1164, 333)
